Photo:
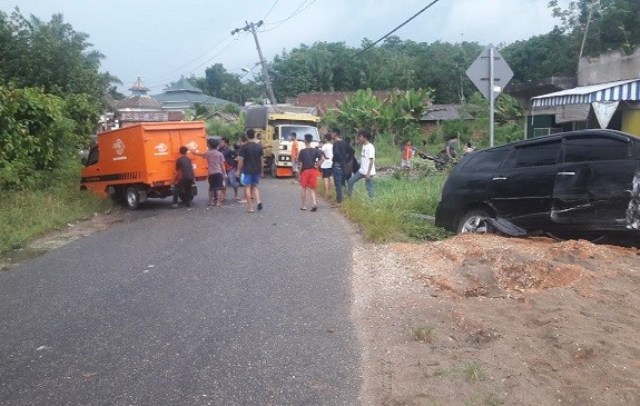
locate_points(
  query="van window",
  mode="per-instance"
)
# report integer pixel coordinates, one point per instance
(93, 157)
(485, 161)
(595, 148)
(539, 154)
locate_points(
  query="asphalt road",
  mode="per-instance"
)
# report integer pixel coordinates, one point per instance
(174, 307)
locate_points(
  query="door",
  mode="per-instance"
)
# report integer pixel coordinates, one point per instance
(522, 188)
(591, 189)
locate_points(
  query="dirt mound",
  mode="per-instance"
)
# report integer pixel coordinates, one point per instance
(491, 320)
(493, 266)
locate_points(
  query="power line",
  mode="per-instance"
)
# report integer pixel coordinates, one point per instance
(297, 11)
(397, 28)
(270, 10)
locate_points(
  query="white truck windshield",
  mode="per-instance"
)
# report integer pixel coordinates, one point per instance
(300, 130)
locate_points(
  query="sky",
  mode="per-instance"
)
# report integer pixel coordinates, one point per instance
(160, 40)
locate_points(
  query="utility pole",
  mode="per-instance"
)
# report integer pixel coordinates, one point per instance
(265, 74)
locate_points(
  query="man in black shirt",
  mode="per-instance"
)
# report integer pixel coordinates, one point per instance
(183, 179)
(250, 169)
(342, 154)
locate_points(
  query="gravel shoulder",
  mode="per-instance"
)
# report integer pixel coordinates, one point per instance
(486, 320)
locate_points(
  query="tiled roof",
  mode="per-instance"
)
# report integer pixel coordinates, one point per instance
(444, 112)
(138, 102)
(182, 85)
(138, 86)
(184, 97)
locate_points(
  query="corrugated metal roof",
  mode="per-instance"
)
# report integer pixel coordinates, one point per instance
(610, 91)
(444, 112)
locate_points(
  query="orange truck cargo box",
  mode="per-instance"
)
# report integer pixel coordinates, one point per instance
(138, 162)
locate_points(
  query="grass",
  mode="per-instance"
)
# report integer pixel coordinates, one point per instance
(27, 214)
(402, 209)
(423, 333)
(473, 372)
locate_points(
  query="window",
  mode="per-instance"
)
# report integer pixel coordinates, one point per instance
(539, 154)
(93, 157)
(485, 161)
(595, 148)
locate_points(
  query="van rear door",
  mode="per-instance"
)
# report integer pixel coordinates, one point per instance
(591, 188)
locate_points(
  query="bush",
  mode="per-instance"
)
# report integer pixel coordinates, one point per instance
(35, 135)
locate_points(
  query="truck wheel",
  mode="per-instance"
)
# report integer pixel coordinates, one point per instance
(274, 168)
(132, 198)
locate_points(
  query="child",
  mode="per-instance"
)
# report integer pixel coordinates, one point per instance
(408, 151)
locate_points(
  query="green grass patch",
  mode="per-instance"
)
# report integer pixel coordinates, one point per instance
(27, 214)
(402, 210)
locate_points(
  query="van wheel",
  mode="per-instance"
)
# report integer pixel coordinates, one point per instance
(132, 198)
(474, 221)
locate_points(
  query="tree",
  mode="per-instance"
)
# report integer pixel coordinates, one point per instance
(54, 57)
(601, 25)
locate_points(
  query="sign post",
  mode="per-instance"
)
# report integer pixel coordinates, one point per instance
(490, 73)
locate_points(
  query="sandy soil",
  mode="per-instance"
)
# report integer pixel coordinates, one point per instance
(486, 320)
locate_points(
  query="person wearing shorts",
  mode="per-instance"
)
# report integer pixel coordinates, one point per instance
(309, 159)
(217, 172)
(327, 164)
(250, 169)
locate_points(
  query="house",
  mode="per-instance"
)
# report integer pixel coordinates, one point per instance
(182, 95)
(607, 96)
(138, 107)
(435, 114)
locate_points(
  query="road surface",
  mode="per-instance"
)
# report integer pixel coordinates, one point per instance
(187, 307)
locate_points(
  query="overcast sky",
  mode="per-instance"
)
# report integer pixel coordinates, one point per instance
(160, 40)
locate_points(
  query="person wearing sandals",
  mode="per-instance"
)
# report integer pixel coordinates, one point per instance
(250, 169)
(309, 160)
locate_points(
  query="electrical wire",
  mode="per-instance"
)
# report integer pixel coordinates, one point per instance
(397, 28)
(297, 11)
(270, 10)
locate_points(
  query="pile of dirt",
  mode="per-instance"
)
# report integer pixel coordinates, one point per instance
(492, 266)
(492, 320)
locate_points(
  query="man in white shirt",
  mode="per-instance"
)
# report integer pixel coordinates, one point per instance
(367, 164)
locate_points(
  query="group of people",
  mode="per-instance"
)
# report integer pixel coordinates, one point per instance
(449, 153)
(336, 159)
(242, 165)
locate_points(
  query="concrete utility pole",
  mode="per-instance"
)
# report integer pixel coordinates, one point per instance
(265, 74)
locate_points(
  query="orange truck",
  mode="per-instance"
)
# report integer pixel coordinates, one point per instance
(138, 162)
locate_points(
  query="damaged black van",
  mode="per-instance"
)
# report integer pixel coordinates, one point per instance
(569, 184)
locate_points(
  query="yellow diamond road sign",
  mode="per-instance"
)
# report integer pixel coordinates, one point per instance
(480, 72)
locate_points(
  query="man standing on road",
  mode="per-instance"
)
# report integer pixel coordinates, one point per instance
(230, 164)
(183, 179)
(367, 164)
(339, 161)
(309, 160)
(294, 155)
(250, 169)
(217, 173)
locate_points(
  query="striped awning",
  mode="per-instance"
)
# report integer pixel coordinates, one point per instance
(611, 91)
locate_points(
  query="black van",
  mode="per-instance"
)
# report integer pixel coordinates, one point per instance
(567, 183)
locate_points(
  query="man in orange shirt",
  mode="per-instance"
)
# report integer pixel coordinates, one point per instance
(294, 154)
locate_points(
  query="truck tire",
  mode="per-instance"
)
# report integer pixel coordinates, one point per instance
(274, 168)
(132, 198)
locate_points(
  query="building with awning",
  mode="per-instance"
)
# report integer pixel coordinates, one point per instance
(598, 102)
